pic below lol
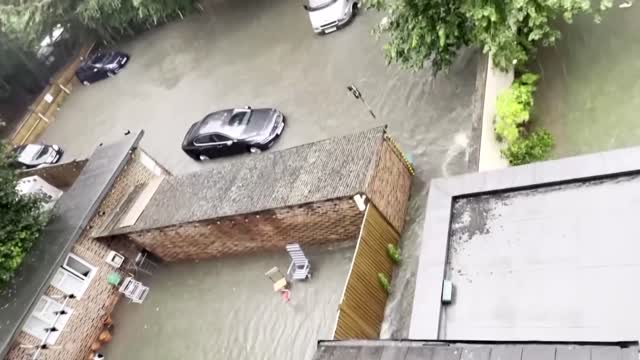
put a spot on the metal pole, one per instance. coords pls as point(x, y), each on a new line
point(358, 95)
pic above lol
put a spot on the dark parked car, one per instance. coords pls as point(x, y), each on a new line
point(101, 65)
point(233, 131)
point(35, 155)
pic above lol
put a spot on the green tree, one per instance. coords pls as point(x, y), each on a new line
point(21, 219)
point(422, 31)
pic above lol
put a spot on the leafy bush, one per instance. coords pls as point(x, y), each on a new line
point(535, 147)
point(21, 220)
point(514, 108)
point(394, 253)
point(384, 282)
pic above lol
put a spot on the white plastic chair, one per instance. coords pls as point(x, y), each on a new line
point(299, 269)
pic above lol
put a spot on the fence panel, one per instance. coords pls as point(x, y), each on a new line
point(363, 301)
point(43, 110)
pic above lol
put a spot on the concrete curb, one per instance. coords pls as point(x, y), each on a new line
point(496, 81)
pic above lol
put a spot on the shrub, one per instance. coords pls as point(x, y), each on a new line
point(384, 282)
point(21, 220)
point(535, 147)
point(394, 253)
point(513, 107)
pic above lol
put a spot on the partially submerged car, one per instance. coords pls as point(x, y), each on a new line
point(35, 155)
point(101, 66)
point(233, 131)
point(329, 15)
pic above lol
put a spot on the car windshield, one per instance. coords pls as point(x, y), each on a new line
point(240, 118)
point(31, 153)
point(313, 5)
point(98, 59)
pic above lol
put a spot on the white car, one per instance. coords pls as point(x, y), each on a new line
point(329, 15)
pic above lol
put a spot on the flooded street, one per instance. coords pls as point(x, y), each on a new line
point(587, 94)
point(264, 53)
point(226, 309)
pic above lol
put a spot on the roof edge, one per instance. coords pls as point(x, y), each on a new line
point(7, 343)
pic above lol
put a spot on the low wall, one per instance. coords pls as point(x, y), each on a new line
point(496, 82)
point(390, 186)
point(61, 176)
point(318, 223)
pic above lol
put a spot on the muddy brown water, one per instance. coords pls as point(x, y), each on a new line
point(263, 53)
point(226, 309)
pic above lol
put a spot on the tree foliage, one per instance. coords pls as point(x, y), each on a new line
point(29, 21)
point(513, 107)
point(422, 31)
point(21, 220)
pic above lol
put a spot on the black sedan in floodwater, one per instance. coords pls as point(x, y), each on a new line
point(35, 155)
point(233, 131)
point(101, 66)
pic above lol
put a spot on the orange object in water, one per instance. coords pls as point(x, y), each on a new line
point(286, 295)
point(105, 337)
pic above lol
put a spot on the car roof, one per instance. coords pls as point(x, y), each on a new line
point(214, 122)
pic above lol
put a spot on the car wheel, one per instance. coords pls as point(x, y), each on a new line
point(354, 8)
point(86, 83)
point(255, 150)
point(110, 74)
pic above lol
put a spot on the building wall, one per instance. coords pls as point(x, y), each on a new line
point(311, 224)
point(85, 323)
point(390, 186)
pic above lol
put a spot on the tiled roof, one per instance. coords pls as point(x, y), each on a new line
point(323, 170)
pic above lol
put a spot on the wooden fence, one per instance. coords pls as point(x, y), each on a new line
point(363, 301)
point(42, 112)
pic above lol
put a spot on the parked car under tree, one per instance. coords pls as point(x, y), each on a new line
point(101, 66)
point(233, 131)
point(34, 155)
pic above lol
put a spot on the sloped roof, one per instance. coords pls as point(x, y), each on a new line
point(460, 350)
point(322, 170)
point(73, 212)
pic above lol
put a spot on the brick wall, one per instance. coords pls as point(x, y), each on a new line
point(85, 323)
point(311, 224)
point(390, 186)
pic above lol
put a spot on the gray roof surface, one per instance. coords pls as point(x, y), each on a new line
point(432, 350)
point(323, 170)
point(73, 212)
point(590, 218)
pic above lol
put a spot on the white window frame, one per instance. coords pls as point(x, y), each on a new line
point(52, 305)
point(64, 271)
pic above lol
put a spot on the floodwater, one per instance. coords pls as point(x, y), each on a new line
point(264, 53)
point(226, 309)
point(589, 94)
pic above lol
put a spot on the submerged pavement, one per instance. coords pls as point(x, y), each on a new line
point(264, 53)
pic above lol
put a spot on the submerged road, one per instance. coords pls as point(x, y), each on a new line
point(264, 53)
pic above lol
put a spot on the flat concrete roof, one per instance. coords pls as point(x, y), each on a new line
point(465, 350)
point(547, 251)
point(72, 213)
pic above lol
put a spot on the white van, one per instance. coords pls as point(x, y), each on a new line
point(37, 186)
point(328, 15)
